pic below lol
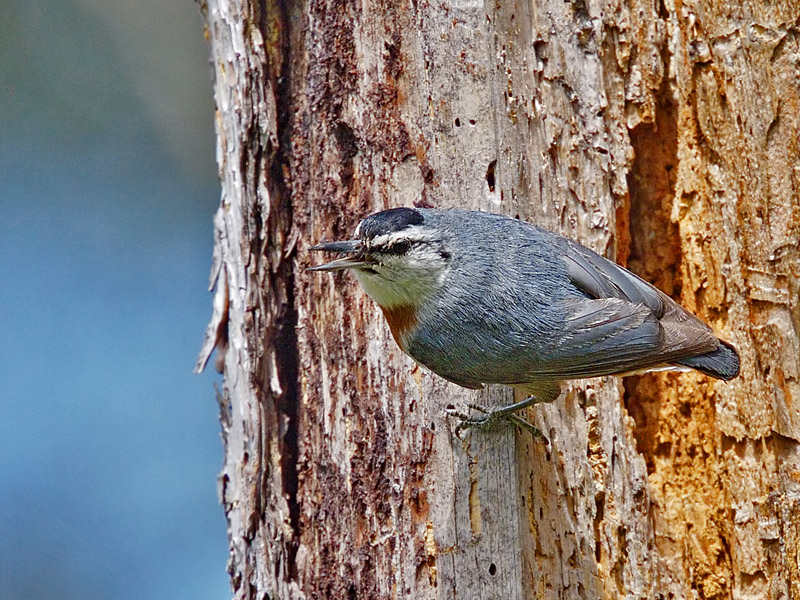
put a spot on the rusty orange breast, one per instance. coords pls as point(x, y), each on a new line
point(402, 320)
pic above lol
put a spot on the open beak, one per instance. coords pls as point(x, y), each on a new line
point(352, 247)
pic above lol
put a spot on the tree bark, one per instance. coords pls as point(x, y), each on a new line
point(661, 134)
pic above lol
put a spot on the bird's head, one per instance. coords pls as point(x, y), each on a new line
point(398, 257)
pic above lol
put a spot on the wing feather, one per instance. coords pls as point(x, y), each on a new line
point(624, 325)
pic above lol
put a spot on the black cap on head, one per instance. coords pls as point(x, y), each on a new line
point(388, 221)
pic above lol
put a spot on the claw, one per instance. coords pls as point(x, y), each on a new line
point(452, 411)
point(523, 424)
point(489, 417)
point(468, 422)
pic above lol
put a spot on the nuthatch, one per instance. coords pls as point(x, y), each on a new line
point(480, 298)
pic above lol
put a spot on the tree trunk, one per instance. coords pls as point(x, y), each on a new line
point(664, 135)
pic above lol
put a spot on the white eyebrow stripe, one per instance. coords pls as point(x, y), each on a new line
point(414, 233)
point(383, 240)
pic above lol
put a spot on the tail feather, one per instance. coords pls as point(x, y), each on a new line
point(722, 363)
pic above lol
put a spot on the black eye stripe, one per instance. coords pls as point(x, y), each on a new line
point(399, 247)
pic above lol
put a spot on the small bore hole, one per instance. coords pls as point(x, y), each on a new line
point(490, 175)
point(458, 122)
point(492, 569)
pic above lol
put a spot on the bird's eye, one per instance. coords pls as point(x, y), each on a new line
point(399, 247)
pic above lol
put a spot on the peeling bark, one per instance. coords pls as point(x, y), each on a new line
point(664, 135)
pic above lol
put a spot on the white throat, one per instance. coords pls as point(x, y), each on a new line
point(402, 291)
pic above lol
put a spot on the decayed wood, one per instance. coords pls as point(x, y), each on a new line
point(630, 126)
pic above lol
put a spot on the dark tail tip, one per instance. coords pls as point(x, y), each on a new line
point(722, 363)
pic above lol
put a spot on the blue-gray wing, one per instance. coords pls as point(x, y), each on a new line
point(625, 324)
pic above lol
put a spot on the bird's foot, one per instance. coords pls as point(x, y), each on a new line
point(488, 417)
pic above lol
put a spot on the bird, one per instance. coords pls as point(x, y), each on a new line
point(480, 298)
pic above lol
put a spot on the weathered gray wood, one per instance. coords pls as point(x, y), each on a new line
point(629, 126)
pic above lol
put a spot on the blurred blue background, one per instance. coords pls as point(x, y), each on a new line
point(109, 444)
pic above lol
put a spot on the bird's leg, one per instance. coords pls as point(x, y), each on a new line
point(494, 414)
point(470, 422)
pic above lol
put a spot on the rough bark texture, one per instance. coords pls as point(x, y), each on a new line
point(663, 134)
